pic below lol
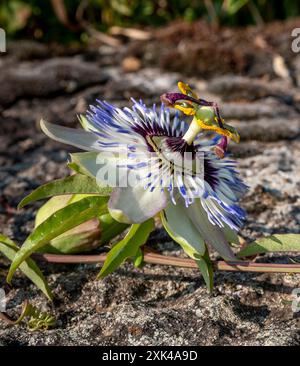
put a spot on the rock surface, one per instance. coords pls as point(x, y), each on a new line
point(156, 305)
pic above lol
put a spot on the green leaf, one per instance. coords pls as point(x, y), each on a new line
point(58, 223)
point(52, 205)
point(74, 184)
point(110, 228)
point(128, 247)
point(138, 259)
point(56, 203)
point(205, 265)
point(76, 168)
point(233, 6)
point(5, 240)
point(77, 197)
point(273, 243)
point(82, 238)
point(9, 249)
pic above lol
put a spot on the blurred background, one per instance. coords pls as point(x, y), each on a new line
point(62, 55)
point(67, 20)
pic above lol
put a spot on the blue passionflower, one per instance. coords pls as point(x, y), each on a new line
point(195, 207)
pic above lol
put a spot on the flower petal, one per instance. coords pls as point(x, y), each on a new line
point(182, 230)
point(79, 138)
point(212, 234)
point(135, 204)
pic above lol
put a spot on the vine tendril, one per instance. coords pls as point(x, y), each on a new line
point(37, 319)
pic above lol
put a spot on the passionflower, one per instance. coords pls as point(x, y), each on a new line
point(197, 200)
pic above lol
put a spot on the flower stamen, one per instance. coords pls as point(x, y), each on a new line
point(207, 113)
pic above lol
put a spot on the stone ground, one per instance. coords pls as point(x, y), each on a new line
point(158, 305)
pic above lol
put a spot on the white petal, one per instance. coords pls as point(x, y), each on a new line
point(79, 138)
point(212, 234)
point(135, 204)
point(182, 230)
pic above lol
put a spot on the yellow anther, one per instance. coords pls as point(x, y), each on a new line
point(189, 111)
point(227, 131)
point(185, 89)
